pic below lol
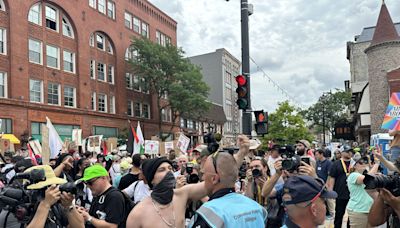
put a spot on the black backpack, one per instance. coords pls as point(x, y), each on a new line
point(129, 205)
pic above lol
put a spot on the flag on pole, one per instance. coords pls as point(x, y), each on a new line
point(105, 149)
point(55, 143)
point(138, 145)
point(32, 155)
point(131, 139)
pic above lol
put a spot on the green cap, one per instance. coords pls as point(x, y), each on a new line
point(93, 172)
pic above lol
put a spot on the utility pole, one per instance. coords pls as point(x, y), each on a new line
point(247, 115)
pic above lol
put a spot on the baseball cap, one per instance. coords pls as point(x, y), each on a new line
point(304, 142)
point(50, 177)
point(347, 149)
point(200, 148)
point(125, 165)
point(93, 172)
point(303, 188)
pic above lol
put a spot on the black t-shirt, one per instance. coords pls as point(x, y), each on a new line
point(127, 180)
point(109, 206)
point(337, 171)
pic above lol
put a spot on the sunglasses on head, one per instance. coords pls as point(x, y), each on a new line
point(214, 158)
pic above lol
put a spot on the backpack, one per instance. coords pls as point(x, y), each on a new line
point(129, 204)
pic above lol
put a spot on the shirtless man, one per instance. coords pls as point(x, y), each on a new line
point(166, 206)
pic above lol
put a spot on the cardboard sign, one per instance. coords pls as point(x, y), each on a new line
point(168, 146)
point(112, 144)
point(391, 119)
point(5, 145)
point(151, 147)
point(183, 143)
point(45, 145)
point(94, 143)
point(77, 136)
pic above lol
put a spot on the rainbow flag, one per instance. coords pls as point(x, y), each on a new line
point(391, 120)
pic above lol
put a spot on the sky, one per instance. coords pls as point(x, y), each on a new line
point(299, 44)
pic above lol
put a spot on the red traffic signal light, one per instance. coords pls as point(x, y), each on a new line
point(242, 92)
point(241, 80)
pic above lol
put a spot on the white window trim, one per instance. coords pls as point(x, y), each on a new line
point(94, 101)
point(69, 24)
point(92, 40)
point(104, 42)
point(57, 17)
point(104, 7)
point(41, 92)
point(74, 98)
point(148, 111)
point(105, 72)
point(113, 10)
point(105, 103)
point(112, 104)
point(58, 57)
point(132, 111)
point(4, 41)
point(59, 94)
point(73, 62)
point(112, 70)
point(130, 19)
point(41, 52)
point(5, 85)
point(40, 14)
point(3, 6)
point(93, 4)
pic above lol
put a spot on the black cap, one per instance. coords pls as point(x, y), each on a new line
point(150, 166)
point(347, 149)
point(305, 188)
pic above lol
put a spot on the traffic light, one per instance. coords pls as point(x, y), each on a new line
point(242, 92)
point(261, 125)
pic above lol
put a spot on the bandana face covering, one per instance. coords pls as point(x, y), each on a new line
point(164, 191)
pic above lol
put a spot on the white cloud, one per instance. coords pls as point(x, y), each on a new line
point(300, 44)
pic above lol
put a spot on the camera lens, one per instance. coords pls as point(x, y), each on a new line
point(256, 173)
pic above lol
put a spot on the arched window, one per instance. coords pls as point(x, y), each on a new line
point(67, 28)
point(34, 15)
point(101, 41)
point(2, 6)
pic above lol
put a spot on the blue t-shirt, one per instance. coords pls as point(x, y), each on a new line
point(323, 168)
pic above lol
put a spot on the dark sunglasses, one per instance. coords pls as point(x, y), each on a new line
point(215, 156)
point(91, 182)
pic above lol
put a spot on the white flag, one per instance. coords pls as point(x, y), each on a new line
point(55, 143)
point(138, 145)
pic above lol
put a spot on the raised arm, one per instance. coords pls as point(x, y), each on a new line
point(244, 145)
point(193, 192)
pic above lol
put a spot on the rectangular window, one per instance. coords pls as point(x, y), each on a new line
point(92, 3)
point(128, 79)
point(51, 18)
point(144, 87)
point(35, 90)
point(146, 111)
point(138, 110)
point(128, 20)
point(52, 54)
point(107, 132)
point(136, 83)
point(69, 96)
point(34, 14)
point(101, 6)
point(145, 30)
point(3, 84)
point(35, 51)
point(102, 103)
point(136, 25)
point(100, 41)
point(166, 115)
point(111, 9)
point(93, 103)
point(100, 71)
point(92, 69)
point(158, 37)
point(6, 126)
point(112, 105)
point(69, 61)
point(129, 111)
point(53, 95)
point(110, 75)
point(3, 43)
point(182, 123)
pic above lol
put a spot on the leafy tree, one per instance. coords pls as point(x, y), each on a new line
point(165, 72)
point(286, 125)
point(330, 108)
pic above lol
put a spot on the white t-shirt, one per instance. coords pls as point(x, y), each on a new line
point(138, 190)
point(11, 173)
point(114, 171)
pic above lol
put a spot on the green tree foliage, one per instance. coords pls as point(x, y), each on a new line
point(166, 71)
point(330, 106)
point(286, 125)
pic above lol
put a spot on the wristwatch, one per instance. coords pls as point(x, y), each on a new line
point(89, 220)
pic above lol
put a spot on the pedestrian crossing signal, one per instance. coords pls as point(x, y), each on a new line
point(261, 126)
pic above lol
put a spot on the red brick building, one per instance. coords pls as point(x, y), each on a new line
point(67, 60)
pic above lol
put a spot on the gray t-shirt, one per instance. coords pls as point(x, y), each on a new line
point(12, 221)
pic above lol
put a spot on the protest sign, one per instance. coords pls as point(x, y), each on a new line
point(151, 147)
point(168, 146)
point(5, 145)
point(45, 145)
point(94, 143)
point(183, 143)
point(112, 144)
point(77, 136)
point(391, 119)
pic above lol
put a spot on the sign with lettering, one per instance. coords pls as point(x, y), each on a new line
point(183, 143)
point(151, 147)
point(391, 119)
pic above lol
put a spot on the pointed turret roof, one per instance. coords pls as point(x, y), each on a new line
point(385, 30)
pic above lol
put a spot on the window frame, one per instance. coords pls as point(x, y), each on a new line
point(130, 84)
point(104, 6)
point(111, 70)
point(40, 53)
point(104, 100)
point(57, 19)
point(92, 69)
point(2, 6)
point(147, 30)
point(93, 4)
point(93, 102)
point(3, 39)
point(111, 105)
point(129, 110)
point(148, 110)
point(112, 16)
point(67, 23)
point(41, 96)
point(58, 86)
point(103, 42)
point(104, 72)
point(58, 56)
point(72, 61)
point(4, 83)
point(130, 20)
point(39, 5)
point(139, 30)
point(73, 97)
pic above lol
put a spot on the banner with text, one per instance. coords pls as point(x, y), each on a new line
point(391, 119)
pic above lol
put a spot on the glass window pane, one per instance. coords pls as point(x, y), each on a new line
point(34, 14)
point(68, 61)
point(52, 56)
point(35, 50)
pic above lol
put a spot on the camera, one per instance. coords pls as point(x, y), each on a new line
point(390, 182)
point(175, 165)
point(192, 178)
point(69, 187)
point(256, 173)
point(290, 161)
point(212, 140)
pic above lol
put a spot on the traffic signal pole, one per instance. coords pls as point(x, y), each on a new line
point(247, 115)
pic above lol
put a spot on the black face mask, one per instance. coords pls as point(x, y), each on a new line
point(163, 192)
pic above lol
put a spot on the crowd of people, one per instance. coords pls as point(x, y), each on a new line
point(283, 186)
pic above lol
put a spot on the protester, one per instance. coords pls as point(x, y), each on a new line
point(323, 164)
point(197, 152)
point(303, 149)
point(133, 176)
point(64, 166)
point(115, 169)
point(256, 176)
point(108, 206)
point(125, 167)
point(274, 156)
point(304, 201)
point(138, 190)
point(81, 165)
point(360, 201)
point(337, 155)
point(182, 160)
point(338, 174)
point(395, 145)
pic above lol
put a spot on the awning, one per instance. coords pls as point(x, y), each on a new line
point(11, 137)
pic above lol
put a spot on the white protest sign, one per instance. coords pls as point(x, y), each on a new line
point(151, 147)
point(94, 144)
point(77, 136)
point(168, 146)
point(183, 143)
